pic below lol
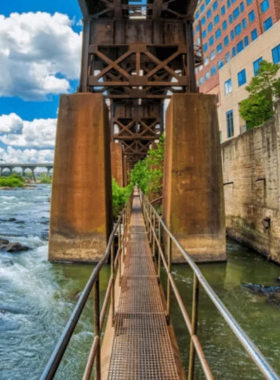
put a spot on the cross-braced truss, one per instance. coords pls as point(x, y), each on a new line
point(137, 54)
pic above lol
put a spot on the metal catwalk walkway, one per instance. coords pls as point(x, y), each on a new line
point(142, 347)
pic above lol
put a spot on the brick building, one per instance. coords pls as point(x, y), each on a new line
point(225, 28)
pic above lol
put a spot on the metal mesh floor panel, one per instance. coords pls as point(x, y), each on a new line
point(142, 348)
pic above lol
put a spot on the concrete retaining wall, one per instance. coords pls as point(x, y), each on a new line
point(251, 176)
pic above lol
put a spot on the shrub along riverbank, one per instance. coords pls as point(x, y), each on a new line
point(13, 180)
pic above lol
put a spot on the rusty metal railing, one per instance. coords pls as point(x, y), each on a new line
point(92, 285)
point(161, 238)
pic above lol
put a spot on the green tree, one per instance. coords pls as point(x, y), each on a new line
point(148, 173)
point(263, 89)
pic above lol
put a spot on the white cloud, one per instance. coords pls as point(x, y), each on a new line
point(39, 133)
point(12, 155)
point(39, 54)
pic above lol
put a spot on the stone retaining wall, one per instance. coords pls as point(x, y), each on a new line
point(251, 176)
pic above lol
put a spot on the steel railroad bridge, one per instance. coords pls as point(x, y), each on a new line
point(137, 54)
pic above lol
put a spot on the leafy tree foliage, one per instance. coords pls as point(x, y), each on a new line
point(120, 196)
point(263, 89)
point(148, 173)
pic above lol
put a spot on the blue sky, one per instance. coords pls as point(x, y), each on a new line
point(36, 71)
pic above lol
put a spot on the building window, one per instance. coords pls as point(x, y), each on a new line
point(203, 20)
point(202, 8)
point(201, 81)
point(197, 15)
point(211, 41)
point(204, 34)
point(238, 29)
point(230, 19)
point(210, 27)
point(213, 70)
point(242, 7)
point(197, 28)
point(228, 4)
point(256, 66)
point(209, 13)
point(207, 2)
point(218, 33)
point(212, 55)
point(241, 76)
point(227, 56)
point(249, 2)
point(236, 13)
point(207, 75)
point(233, 52)
point(230, 128)
point(220, 64)
point(223, 10)
point(219, 48)
point(205, 47)
point(215, 6)
point(254, 34)
point(251, 17)
point(228, 87)
point(264, 6)
point(239, 46)
point(216, 19)
point(206, 61)
point(246, 41)
point(232, 34)
point(276, 54)
point(225, 25)
point(244, 23)
point(267, 24)
point(226, 41)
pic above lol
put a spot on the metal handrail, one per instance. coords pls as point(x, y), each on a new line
point(99, 317)
point(155, 238)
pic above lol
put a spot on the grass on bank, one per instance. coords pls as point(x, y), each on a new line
point(13, 180)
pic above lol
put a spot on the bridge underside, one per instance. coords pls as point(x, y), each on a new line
point(137, 54)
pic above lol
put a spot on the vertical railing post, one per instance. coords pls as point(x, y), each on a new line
point(154, 234)
point(194, 326)
point(150, 223)
point(120, 251)
point(113, 283)
point(97, 328)
point(159, 248)
point(169, 261)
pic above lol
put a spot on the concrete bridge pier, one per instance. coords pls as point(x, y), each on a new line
point(117, 164)
point(81, 205)
point(193, 200)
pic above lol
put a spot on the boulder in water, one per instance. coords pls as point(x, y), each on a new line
point(15, 247)
point(261, 289)
point(4, 242)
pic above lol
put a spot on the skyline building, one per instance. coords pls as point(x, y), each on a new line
point(235, 36)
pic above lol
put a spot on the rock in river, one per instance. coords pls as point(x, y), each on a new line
point(4, 242)
point(15, 247)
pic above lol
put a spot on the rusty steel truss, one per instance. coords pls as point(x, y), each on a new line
point(137, 54)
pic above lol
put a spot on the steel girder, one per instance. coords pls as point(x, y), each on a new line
point(137, 54)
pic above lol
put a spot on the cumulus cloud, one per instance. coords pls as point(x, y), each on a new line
point(39, 54)
point(38, 133)
point(12, 155)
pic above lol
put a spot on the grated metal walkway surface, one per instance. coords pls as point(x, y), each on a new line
point(142, 348)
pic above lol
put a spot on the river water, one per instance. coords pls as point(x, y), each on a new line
point(36, 299)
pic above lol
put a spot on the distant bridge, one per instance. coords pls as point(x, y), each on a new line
point(24, 166)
